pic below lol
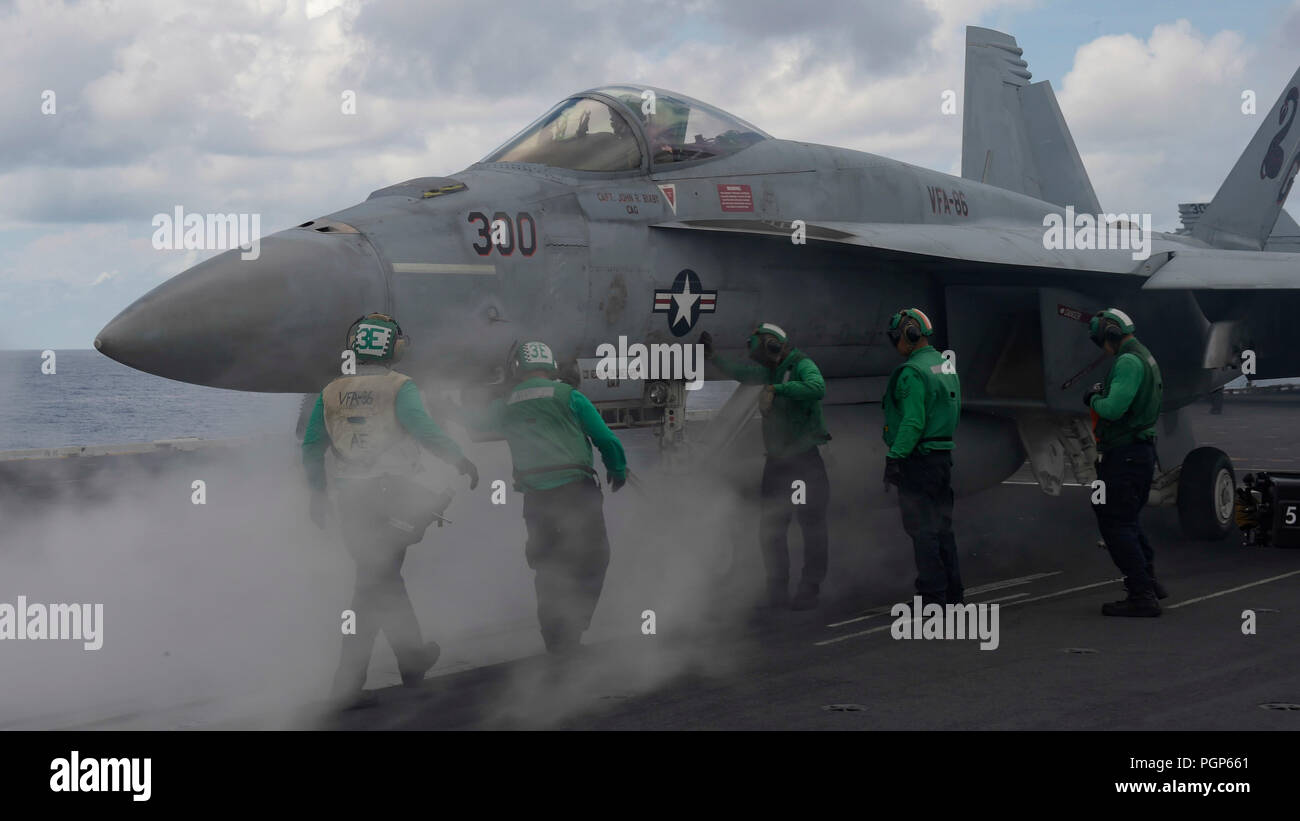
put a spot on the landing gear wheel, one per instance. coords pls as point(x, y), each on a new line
point(1206, 495)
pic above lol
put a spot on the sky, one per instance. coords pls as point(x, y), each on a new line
point(236, 105)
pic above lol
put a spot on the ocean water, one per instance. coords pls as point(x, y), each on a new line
point(93, 400)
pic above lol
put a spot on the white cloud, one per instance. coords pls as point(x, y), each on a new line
point(1158, 120)
point(1134, 88)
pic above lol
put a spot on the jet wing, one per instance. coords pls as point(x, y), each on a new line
point(1214, 269)
point(1171, 265)
point(991, 243)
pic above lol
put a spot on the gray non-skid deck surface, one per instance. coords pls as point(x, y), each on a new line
point(1192, 668)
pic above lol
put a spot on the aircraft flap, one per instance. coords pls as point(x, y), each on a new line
point(1215, 269)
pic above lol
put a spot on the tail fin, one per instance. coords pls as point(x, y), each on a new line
point(1284, 238)
point(1013, 134)
point(1243, 213)
point(1188, 214)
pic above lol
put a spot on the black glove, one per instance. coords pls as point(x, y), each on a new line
point(706, 339)
point(319, 508)
point(1093, 391)
point(893, 471)
point(615, 482)
point(465, 466)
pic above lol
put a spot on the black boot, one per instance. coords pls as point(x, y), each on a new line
point(1137, 604)
point(356, 700)
point(806, 597)
point(1160, 591)
point(778, 595)
point(428, 657)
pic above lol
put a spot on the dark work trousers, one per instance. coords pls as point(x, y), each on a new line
point(379, 599)
point(777, 509)
point(925, 500)
point(569, 550)
point(1127, 472)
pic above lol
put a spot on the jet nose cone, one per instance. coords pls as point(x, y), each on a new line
point(274, 323)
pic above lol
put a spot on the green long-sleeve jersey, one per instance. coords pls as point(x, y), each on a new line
point(1129, 403)
point(922, 405)
point(795, 423)
point(550, 428)
point(1126, 378)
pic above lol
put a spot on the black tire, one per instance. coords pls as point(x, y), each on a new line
point(1206, 495)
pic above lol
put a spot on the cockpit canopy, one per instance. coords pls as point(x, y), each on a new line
point(588, 133)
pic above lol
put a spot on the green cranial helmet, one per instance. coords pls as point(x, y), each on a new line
point(376, 338)
point(909, 322)
point(769, 330)
point(531, 356)
point(1110, 325)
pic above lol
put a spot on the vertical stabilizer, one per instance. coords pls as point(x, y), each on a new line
point(994, 147)
point(1061, 174)
point(1285, 236)
point(1244, 211)
point(1013, 133)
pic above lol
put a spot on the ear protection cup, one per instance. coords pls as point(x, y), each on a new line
point(910, 323)
point(1107, 326)
point(765, 342)
point(512, 361)
point(1094, 330)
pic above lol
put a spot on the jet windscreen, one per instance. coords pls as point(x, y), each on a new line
point(679, 129)
point(579, 134)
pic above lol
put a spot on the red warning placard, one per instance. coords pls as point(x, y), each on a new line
point(735, 197)
point(1072, 313)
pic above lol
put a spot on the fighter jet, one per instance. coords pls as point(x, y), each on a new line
point(634, 211)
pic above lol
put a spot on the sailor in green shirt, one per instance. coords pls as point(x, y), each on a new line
point(793, 429)
point(922, 404)
point(550, 428)
point(1127, 405)
point(372, 421)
